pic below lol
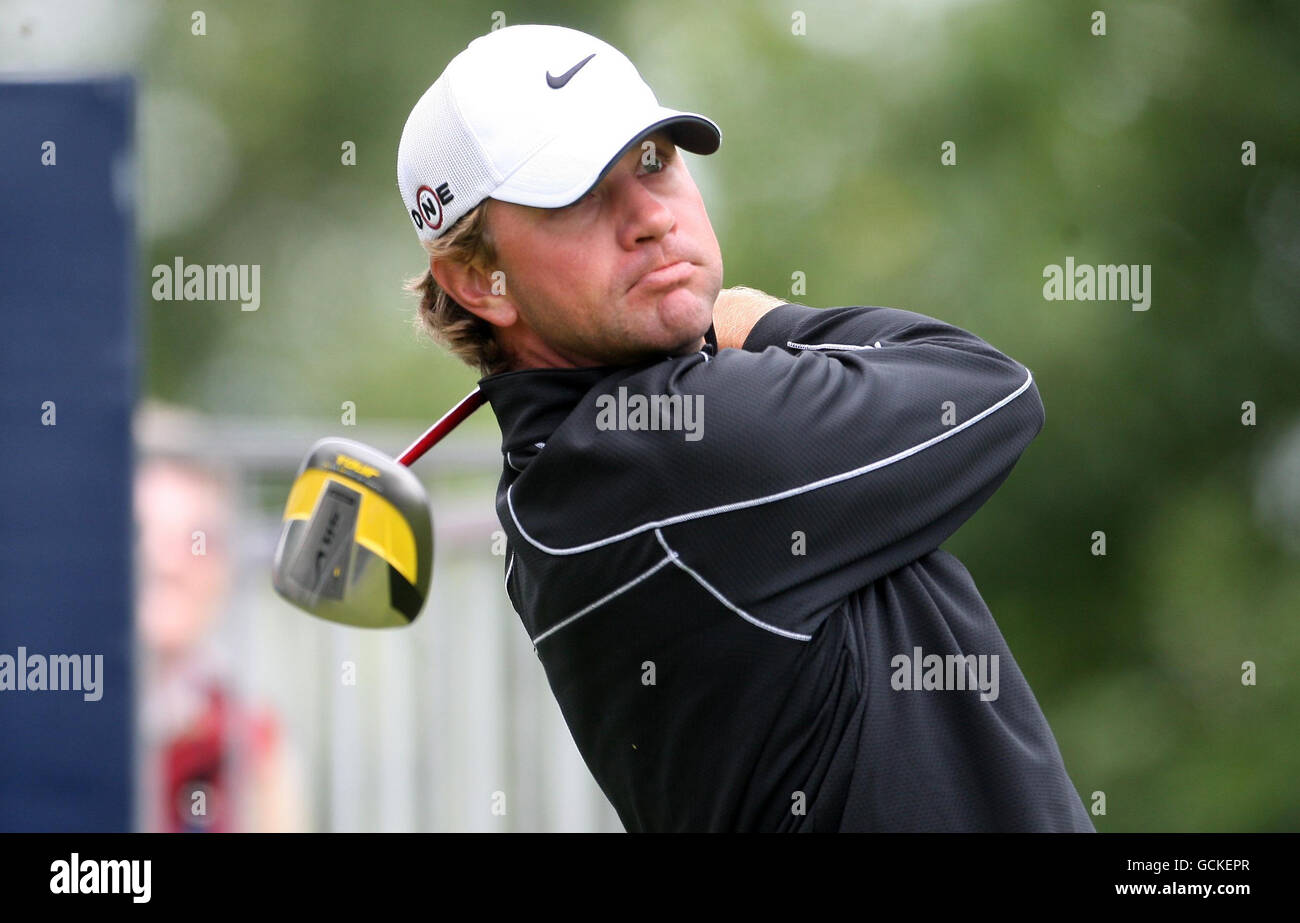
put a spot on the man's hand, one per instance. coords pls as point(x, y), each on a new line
point(735, 312)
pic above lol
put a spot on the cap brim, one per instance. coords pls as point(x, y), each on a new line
point(570, 164)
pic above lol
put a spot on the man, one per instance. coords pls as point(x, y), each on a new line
point(723, 513)
point(196, 732)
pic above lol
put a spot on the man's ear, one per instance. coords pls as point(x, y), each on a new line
point(471, 287)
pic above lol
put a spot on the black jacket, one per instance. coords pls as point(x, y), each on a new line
point(721, 610)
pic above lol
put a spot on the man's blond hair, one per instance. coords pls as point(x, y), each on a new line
point(467, 336)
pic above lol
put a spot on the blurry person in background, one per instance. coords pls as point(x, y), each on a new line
point(210, 761)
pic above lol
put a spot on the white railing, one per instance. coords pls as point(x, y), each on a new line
point(449, 721)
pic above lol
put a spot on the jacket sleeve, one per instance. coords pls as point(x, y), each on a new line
point(838, 445)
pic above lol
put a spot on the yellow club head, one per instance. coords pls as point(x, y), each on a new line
point(356, 546)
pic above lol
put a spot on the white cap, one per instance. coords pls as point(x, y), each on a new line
point(529, 114)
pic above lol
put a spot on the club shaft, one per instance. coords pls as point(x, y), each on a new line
point(450, 420)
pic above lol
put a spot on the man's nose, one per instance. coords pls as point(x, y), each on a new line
point(643, 214)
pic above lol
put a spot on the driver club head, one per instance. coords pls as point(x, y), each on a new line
point(356, 546)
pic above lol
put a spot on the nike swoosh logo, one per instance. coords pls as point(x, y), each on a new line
point(556, 82)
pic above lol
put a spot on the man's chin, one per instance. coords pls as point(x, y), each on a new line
point(691, 342)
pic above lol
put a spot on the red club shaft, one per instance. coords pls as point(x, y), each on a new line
point(450, 420)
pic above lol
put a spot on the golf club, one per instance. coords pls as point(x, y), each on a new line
point(349, 505)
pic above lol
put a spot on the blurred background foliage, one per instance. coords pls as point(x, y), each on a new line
point(1122, 148)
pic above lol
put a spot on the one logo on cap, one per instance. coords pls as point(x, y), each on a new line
point(428, 206)
point(556, 82)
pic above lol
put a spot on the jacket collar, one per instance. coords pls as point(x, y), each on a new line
point(530, 404)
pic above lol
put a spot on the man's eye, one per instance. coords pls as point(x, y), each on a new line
point(658, 162)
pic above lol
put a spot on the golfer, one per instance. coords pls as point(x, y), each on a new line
point(723, 510)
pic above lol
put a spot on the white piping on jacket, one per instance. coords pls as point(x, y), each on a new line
point(770, 498)
point(676, 559)
point(793, 345)
point(600, 602)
